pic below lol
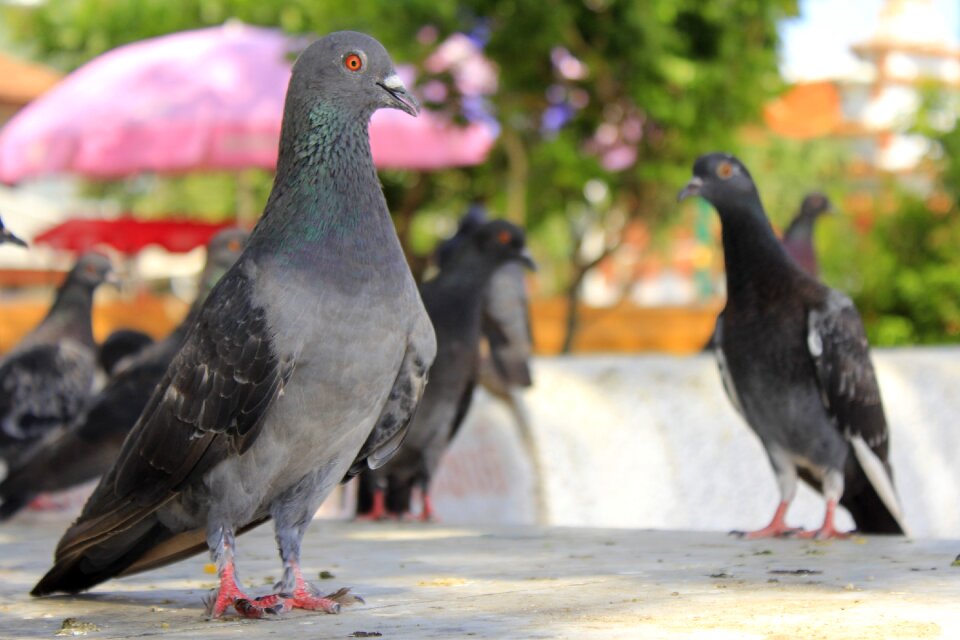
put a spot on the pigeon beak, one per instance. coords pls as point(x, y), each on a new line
point(692, 189)
point(527, 260)
point(111, 277)
point(12, 239)
point(400, 97)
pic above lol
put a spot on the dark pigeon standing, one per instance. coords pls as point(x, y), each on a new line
point(505, 363)
point(90, 446)
point(7, 237)
point(303, 366)
point(798, 238)
point(47, 377)
point(454, 300)
point(795, 362)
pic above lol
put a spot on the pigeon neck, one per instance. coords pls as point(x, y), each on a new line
point(756, 263)
point(800, 228)
point(69, 317)
point(326, 186)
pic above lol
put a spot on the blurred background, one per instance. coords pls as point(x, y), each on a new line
point(578, 120)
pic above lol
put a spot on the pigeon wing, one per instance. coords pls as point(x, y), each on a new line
point(848, 386)
point(209, 405)
point(506, 325)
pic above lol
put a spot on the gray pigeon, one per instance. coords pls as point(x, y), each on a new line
point(303, 366)
point(47, 377)
point(505, 358)
point(795, 363)
point(88, 447)
point(798, 238)
point(454, 299)
point(7, 237)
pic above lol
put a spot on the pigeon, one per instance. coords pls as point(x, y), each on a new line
point(505, 362)
point(7, 237)
point(795, 363)
point(454, 300)
point(119, 348)
point(303, 366)
point(798, 238)
point(47, 377)
point(88, 447)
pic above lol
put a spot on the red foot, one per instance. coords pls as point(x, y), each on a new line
point(827, 531)
point(776, 529)
point(306, 597)
point(426, 514)
point(229, 594)
point(46, 502)
point(378, 511)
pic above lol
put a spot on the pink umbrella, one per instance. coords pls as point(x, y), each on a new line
point(205, 99)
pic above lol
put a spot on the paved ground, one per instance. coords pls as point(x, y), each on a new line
point(435, 581)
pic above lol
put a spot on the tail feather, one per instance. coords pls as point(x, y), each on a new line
point(881, 483)
point(87, 567)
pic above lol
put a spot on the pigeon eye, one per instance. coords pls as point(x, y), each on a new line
point(353, 62)
point(233, 245)
point(91, 270)
point(725, 170)
point(504, 237)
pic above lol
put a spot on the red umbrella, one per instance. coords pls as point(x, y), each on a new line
point(205, 99)
point(129, 235)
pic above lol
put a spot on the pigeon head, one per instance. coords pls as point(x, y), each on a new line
point(224, 248)
point(93, 269)
point(721, 180)
point(815, 205)
point(353, 71)
point(7, 237)
point(501, 242)
point(473, 219)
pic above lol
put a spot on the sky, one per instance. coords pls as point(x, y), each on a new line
point(817, 44)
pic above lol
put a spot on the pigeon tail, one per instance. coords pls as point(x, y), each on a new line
point(877, 509)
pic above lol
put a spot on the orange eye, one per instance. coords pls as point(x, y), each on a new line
point(90, 269)
point(233, 245)
point(353, 62)
point(725, 170)
point(504, 237)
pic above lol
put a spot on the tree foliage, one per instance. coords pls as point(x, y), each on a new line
point(661, 80)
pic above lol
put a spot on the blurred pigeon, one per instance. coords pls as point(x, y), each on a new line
point(798, 238)
point(795, 362)
point(47, 377)
point(89, 447)
point(121, 346)
point(505, 362)
point(303, 366)
point(7, 237)
point(454, 300)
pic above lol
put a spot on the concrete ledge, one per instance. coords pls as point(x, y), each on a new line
point(427, 581)
point(652, 441)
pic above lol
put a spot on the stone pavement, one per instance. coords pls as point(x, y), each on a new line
point(437, 581)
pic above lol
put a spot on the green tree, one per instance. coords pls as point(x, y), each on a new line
point(662, 79)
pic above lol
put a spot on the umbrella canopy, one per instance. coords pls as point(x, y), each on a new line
point(129, 235)
point(204, 99)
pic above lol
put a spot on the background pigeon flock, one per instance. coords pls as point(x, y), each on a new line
point(311, 356)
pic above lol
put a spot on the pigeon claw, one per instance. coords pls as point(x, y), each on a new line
point(769, 532)
point(304, 597)
point(254, 609)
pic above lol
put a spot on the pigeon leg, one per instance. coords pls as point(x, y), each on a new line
point(776, 529)
point(832, 490)
point(379, 509)
point(786, 474)
point(426, 513)
point(292, 515)
point(229, 593)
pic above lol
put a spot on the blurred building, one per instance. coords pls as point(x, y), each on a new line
point(912, 51)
